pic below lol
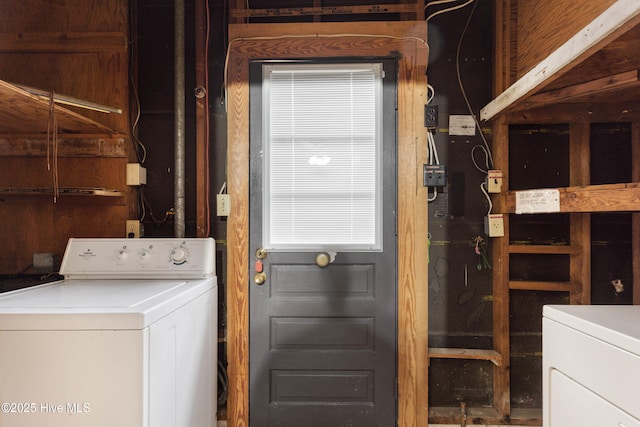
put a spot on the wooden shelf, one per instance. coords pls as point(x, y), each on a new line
point(544, 249)
point(76, 191)
point(485, 416)
point(526, 285)
point(465, 353)
point(24, 113)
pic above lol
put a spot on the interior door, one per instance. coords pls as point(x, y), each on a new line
point(322, 303)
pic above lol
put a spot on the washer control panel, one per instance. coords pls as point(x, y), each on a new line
point(139, 258)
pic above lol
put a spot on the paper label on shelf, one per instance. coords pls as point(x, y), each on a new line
point(537, 201)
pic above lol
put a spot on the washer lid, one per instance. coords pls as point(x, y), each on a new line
point(96, 304)
point(618, 325)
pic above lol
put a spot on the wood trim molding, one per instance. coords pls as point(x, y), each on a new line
point(203, 203)
point(322, 40)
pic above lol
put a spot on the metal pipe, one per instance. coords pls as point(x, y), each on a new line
point(179, 119)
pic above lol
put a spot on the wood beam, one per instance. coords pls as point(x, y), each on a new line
point(325, 10)
point(485, 416)
point(616, 82)
point(544, 249)
point(635, 217)
point(525, 285)
point(580, 223)
point(500, 252)
point(577, 113)
point(593, 198)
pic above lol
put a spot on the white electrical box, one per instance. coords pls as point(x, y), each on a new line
point(135, 229)
point(136, 174)
point(494, 224)
point(494, 181)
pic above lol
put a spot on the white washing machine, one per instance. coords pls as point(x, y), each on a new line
point(591, 366)
point(127, 339)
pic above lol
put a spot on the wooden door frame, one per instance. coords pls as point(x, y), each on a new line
point(406, 41)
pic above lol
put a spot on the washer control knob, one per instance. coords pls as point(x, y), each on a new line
point(179, 255)
point(122, 254)
point(144, 255)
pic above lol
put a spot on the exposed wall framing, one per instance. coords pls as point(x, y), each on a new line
point(315, 40)
point(407, 10)
point(564, 75)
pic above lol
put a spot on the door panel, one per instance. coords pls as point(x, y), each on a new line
point(323, 340)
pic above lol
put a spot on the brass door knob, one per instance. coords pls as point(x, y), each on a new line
point(260, 278)
point(323, 259)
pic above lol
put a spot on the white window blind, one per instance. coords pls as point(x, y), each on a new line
point(322, 130)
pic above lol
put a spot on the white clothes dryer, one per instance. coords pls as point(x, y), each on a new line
point(591, 366)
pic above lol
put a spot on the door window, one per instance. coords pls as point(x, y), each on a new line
point(322, 127)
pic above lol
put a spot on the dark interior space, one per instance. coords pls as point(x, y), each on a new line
point(460, 309)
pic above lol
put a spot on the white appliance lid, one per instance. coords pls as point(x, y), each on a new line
point(618, 325)
point(97, 304)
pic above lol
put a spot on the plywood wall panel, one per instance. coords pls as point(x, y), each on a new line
point(41, 226)
point(72, 172)
point(544, 25)
point(54, 15)
point(76, 48)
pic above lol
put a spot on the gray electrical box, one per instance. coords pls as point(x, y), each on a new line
point(435, 175)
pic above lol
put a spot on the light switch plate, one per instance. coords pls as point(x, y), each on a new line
point(223, 204)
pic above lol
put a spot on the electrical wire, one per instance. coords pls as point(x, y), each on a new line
point(486, 194)
point(168, 214)
point(433, 93)
point(225, 47)
point(450, 9)
point(431, 142)
point(435, 195)
point(437, 2)
point(139, 148)
point(433, 159)
point(486, 158)
point(466, 98)
point(433, 151)
point(52, 139)
point(207, 127)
